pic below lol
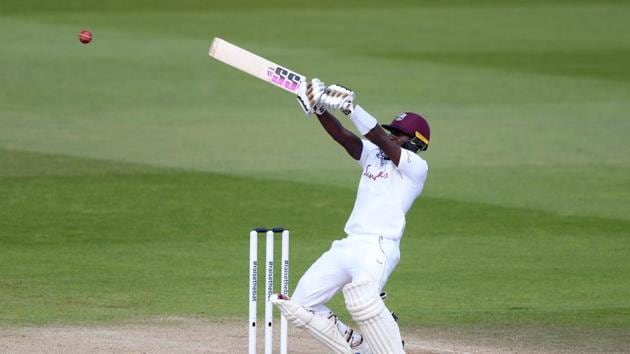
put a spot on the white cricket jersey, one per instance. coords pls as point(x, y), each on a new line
point(386, 192)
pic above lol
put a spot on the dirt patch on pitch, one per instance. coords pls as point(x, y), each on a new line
point(193, 335)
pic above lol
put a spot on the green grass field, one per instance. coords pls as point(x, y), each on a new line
point(132, 168)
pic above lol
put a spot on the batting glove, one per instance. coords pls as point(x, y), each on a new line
point(337, 97)
point(309, 94)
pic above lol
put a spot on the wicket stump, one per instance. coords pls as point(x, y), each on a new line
point(253, 286)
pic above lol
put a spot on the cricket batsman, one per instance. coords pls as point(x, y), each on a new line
point(392, 177)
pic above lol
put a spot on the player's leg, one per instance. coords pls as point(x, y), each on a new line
point(321, 327)
point(378, 326)
point(306, 309)
point(323, 279)
point(354, 338)
point(361, 264)
point(379, 258)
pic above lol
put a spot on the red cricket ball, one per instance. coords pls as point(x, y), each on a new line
point(85, 36)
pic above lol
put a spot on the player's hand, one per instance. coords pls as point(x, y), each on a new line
point(309, 94)
point(338, 97)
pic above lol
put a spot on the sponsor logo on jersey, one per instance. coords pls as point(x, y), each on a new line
point(374, 175)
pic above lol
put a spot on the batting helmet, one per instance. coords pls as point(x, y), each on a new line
point(413, 125)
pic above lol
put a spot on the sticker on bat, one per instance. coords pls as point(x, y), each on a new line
point(283, 77)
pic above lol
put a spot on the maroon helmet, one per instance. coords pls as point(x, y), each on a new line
point(413, 125)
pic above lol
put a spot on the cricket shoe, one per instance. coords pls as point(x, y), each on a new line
point(361, 347)
point(354, 338)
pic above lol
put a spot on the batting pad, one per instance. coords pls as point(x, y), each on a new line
point(321, 327)
point(377, 325)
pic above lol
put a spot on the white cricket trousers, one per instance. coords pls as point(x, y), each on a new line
point(354, 258)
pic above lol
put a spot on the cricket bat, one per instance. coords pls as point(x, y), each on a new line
point(255, 65)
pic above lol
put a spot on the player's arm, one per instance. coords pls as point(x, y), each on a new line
point(340, 134)
point(379, 137)
point(342, 98)
point(308, 96)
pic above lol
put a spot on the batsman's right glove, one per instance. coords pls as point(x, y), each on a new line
point(309, 94)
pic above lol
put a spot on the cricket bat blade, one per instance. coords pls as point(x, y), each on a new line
point(255, 65)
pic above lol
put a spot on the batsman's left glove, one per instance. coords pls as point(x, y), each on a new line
point(337, 97)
